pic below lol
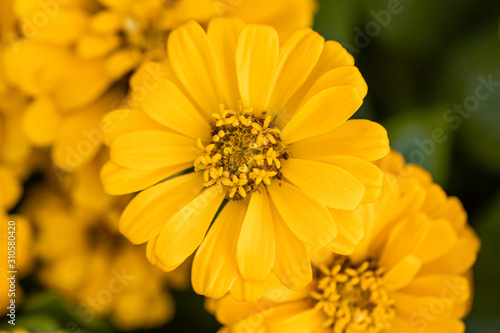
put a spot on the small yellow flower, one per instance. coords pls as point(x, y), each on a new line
point(70, 54)
point(267, 131)
point(88, 262)
point(411, 272)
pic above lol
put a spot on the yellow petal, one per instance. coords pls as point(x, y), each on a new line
point(148, 150)
point(322, 113)
point(229, 311)
point(215, 266)
point(404, 239)
point(223, 35)
point(298, 210)
point(117, 180)
point(436, 198)
point(411, 196)
point(145, 215)
point(121, 62)
point(292, 265)
point(400, 199)
point(152, 258)
point(105, 22)
point(332, 186)
point(360, 138)
point(454, 212)
point(271, 313)
point(340, 76)
point(192, 61)
point(11, 189)
point(41, 122)
point(333, 56)
point(184, 232)
point(37, 68)
point(298, 323)
point(349, 232)
point(452, 326)
point(247, 290)
point(401, 274)
point(408, 304)
point(256, 242)
point(149, 74)
point(416, 324)
point(93, 46)
point(80, 135)
point(87, 191)
point(365, 172)
point(16, 148)
point(297, 58)
point(276, 292)
point(457, 260)
point(166, 104)
point(256, 62)
point(440, 238)
point(62, 28)
point(451, 288)
point(125, 121)
point(87, 82)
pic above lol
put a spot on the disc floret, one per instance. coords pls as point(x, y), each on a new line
point(243, 153)
point(353, 297)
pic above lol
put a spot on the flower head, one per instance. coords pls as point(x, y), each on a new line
point(411, 272)
point(266, 129)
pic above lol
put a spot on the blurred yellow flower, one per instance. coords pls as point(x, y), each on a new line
point(14, 145)
point(411, 272)
point(267, 131)
point(70, 53)
point(86, 261)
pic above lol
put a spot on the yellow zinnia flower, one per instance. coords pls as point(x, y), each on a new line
point(411, 272)
point(90, 264)
point(71, 53)
point(267, 131)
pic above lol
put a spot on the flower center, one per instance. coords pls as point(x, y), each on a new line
point(146, 28)
point(244, 152)
point(353, 297)
point(148, 37)
point(99, 235)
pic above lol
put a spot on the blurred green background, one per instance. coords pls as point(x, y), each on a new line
point(427, 64)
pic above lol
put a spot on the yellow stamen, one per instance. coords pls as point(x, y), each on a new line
point(353, 298)
point(244, 152)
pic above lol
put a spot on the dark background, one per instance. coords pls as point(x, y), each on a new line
point(421, 61)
